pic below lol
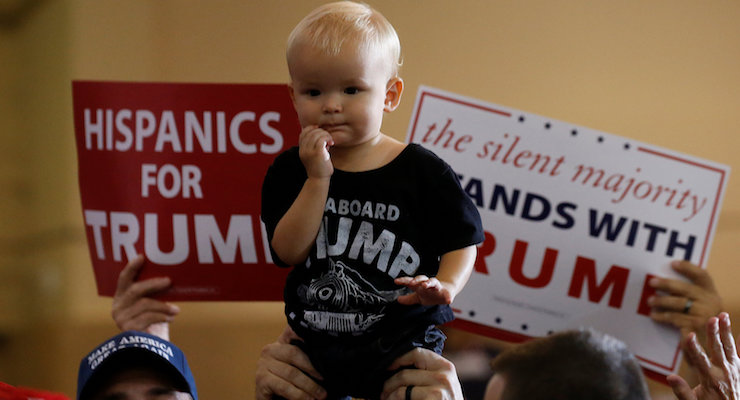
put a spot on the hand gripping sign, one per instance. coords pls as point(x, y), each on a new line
point(576, 221)
point(174, 171)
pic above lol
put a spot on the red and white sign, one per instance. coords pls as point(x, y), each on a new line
point(174, 171)
point(576, 222)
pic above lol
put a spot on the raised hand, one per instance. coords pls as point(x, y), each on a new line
point(718, 372)
point(133, 309)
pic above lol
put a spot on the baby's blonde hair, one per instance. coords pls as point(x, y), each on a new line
point(329, 26)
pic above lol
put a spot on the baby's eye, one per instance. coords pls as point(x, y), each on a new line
point(351, 90)
point(313, 92)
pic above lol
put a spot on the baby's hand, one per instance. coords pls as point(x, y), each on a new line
point(427, 291)
point(314, 144)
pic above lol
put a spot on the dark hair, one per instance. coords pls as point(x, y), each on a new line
point(572, 365)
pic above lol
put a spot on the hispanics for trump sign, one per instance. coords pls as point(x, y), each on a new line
point(174, 171)
point(577, 221)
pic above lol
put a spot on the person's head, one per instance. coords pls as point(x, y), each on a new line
point(135, 366)
point(572, 365)
point(343, 60)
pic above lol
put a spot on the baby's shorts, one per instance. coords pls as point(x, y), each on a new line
point(360, 371)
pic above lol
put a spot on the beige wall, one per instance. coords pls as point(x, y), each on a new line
point(663, 72)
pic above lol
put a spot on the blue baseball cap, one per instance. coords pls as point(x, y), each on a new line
point(132, 348)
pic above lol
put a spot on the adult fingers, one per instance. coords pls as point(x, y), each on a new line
point(728, 342)
point(283, 369)
point(433, 378)
point(670, 303)
point(677, 319)
point(269, 384)
point(672, 309)
point(423, 359)
point(293, 384)
point(714, 342)
point(424, 382)
point(408, 359)
point(697, 357)
point(697, 308)
point(138, 294)
point(128, 274)
point(680, 388)
point(290, 355)
point(694, 273)
point(701, 288)
point(395, 393)
point(418, 393)
point(287, 335)
point(145, 311)
point(146, 287)
point(675, 287)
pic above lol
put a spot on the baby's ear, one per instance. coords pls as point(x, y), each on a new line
point(393, 94)
point(291, 92)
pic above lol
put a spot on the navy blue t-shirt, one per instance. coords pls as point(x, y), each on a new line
point(393, 221)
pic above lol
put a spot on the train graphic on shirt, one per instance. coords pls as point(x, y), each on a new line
point(342, 301)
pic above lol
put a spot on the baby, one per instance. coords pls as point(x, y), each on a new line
point(380, 234)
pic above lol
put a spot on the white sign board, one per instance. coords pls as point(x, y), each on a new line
point(576, 222)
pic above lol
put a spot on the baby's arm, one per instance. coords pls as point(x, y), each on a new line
point(455, 268)
point(296, 231)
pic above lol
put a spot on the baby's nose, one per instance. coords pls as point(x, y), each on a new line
point(332, 104)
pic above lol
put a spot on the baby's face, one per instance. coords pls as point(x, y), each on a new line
point(343, 94)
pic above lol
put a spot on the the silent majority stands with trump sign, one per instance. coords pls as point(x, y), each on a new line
point(576, 221)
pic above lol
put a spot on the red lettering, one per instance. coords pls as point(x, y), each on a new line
point(585, 272)
point(441, 134)
point(584, 275)
point(462, 140)
point(647, 292)
point(485, 249)
point(516, 270)
point(511, 149)
point(447, 137)
point(524, 155)
point(432, 127)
